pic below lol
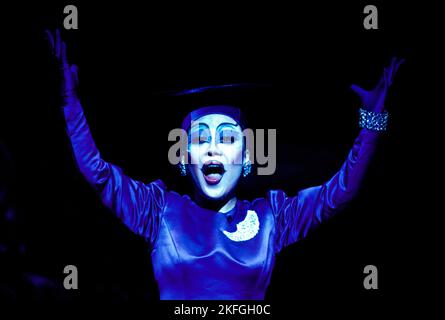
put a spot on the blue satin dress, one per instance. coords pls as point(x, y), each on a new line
point(203, 254)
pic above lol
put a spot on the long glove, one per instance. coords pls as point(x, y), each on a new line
point(68, 72)
point(374, 100)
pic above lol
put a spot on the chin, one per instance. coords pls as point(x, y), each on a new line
point(214, 195)
point(217, 189)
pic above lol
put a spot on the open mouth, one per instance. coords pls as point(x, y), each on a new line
point(213, 171)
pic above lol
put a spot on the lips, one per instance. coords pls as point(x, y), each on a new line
point(213, 171)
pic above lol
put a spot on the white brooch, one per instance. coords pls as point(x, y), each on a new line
point(246, 229)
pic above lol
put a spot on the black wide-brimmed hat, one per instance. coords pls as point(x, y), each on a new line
point(240, 101)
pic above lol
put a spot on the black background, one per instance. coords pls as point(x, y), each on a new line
point(126, 53)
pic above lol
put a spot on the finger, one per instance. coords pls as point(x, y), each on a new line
point(58, 42)
point(63, 57)
point(358, 90)
point(381, 80)
point(389, 67)
point(395, 64)
point(393, 61)
point(50, 39)
point(389, 74)
point(399, 63)
point(386, 76)
point(74, 70)
point(393, 67)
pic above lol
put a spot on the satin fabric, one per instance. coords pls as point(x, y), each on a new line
point(192, 257)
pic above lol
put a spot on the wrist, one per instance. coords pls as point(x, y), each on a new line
point(374, 121)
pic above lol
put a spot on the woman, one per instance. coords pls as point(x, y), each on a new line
point(212, 245)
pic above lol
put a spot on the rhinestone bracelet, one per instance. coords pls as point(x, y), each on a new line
point(372, 120)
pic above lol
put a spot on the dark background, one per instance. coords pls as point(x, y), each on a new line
point(127, 53)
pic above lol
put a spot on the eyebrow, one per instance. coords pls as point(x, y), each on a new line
point(199, 126)
point(226, 124)
point(221, 125)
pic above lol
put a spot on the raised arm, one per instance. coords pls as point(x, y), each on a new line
point(137, 204)
point(345, 184)
point(296, 216)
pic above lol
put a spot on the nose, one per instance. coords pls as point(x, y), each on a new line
point(213, 149)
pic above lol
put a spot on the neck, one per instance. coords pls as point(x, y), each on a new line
point(228, 206)
point(223, 205)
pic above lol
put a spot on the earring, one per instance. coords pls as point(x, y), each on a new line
point(182, 169)
point(247, 167)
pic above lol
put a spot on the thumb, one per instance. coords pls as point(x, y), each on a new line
point(74, 70)
point(49, 37)
point(358, 90)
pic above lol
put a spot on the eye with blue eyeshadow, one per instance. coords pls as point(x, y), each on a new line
point(204, 137)
point(228, 136)
point(200, 136)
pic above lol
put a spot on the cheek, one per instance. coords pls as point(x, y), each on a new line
point(194, 154)
point(238, 158)
point(234, 154)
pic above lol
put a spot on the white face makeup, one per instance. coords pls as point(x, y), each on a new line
point(216, 154)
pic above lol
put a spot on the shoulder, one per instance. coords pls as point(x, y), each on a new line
point(275, 200)
point(158, 184)
point(168, 195)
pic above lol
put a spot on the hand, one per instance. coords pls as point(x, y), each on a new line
point(68, 72)
point(374, 99)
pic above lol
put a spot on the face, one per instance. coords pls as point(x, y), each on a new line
point(215, 154)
